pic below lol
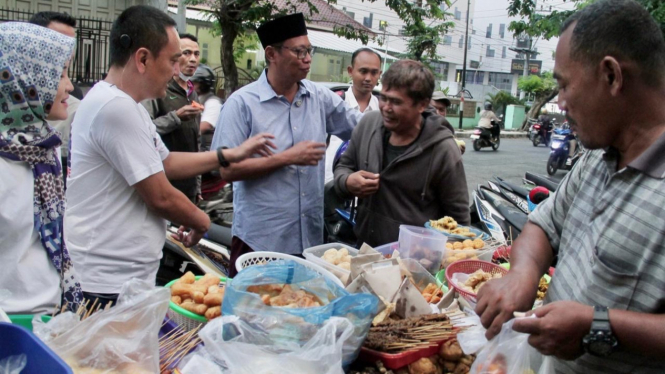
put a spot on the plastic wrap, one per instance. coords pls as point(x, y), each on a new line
point(242, 348)
point(510, 352)
point(13, 364)
point(284, 326)
point(123, 339)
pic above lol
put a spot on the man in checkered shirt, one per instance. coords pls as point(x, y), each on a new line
point(604, 311)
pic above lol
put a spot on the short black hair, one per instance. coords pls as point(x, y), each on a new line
point(145, 27)
point(623, 29)
point(43, 19)
point(413, 76)
point(189, 36)
point(358, 51)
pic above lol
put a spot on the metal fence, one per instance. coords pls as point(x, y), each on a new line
point(91, 61)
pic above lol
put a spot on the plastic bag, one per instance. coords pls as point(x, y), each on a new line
point(510, 353)
point(298, 325)
point(247, 349)
point(13, 364)
point(123, 339)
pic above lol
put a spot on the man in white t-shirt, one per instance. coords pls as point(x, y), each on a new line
point(365, 71)
point(119, 197)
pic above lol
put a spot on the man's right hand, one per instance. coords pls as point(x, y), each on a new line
point(187, 112)
point(306, 153)
point(499, 298)
point(362, 183)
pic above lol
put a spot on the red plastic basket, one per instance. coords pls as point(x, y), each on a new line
point(468, 267)
point(399, 360)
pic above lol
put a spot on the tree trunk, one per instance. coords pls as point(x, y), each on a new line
point(229, 35)
point(540, 101)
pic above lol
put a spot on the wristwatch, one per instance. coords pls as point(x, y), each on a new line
point(600, 341)
point(220, 156)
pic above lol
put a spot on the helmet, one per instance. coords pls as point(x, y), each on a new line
point(488, 106)
point(205, 75)
point(543, 111)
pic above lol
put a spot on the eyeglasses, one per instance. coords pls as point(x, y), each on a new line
point(300, 52)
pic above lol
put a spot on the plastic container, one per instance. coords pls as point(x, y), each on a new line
point(315, 254)
point(17, 340)
point(468, 267)
point(421, 277)
point(395, 361)
point(423, 245)
point(25, 320)
point(387, 250)
point(182, 317)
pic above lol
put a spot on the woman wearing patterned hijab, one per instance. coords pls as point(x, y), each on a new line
point(34, 263)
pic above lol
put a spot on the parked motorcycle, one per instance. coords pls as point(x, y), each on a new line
point(560, 146)
point(483, 137)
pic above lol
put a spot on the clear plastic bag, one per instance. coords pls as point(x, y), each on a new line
point(13, 364)
point(510, 353)
point(285, 326)
point(123, 339)
point(248, 349)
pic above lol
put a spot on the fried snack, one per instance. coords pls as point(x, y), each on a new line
point(180, 289)
point(338, 257)
point(207, 281)
point(432, 293)
point(478, 279)
point(467, 243)
point(188, 278)
point(542, 288)
point(198, 297)
point(213, 312)
point(270, 289)
point(193, 307)
point(478, 244)
point(176, 299)
point(449, 245)
point(451, 350)
point(287, 298)
point(458, 245)
point(214, 299)
point(424, 366)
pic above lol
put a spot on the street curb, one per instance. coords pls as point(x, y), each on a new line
point(504, 134)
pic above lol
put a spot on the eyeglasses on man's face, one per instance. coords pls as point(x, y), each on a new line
point(301, 53)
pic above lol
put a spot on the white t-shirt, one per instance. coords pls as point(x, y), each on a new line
point(212, 108)
point(111, 234)
point(27, 272)
point(335, 142)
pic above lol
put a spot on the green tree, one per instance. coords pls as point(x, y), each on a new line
point(501, 100)
point(544, 88)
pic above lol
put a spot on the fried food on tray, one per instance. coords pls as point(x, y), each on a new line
point(198, 296)
point(478, 279)
point(432, 293)
point(449, 225)
point(338, 257)
point(287, 297)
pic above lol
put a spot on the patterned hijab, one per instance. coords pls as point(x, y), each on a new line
point(32, 59)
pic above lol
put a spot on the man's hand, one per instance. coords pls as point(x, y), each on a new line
point(499, 298)
point(258, 144)
point(362, 183)
point(559, 328)
point(188, 239)
point(306, 153)
point(187, 112)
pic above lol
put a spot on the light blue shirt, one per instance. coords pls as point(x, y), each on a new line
point(282, 211)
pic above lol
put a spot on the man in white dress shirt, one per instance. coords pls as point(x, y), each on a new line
point(365, 71)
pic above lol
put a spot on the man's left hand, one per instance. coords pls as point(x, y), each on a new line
point(559, 328)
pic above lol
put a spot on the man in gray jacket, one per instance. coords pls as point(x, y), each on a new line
point(402, 162)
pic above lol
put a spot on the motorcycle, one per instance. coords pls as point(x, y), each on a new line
point(532, 122)
point(483, 137)
point(560, 146)
point(541, 133)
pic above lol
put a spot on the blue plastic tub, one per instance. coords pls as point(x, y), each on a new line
point(17, 340)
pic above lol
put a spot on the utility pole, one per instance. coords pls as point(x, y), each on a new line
point(384, 25)
point(466, 49)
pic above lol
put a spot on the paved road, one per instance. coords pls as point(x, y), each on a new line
point(513, 158)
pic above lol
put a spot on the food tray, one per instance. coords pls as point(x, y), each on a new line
point(395, 361)
point(468, 267)
point(18, 340)
point(259, 258)
point(314, 255)
point(479, 234)
point(182, 317)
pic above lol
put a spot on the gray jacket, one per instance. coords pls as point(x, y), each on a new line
point(426, 182)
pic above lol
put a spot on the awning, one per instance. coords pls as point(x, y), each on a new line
point(332, 42)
